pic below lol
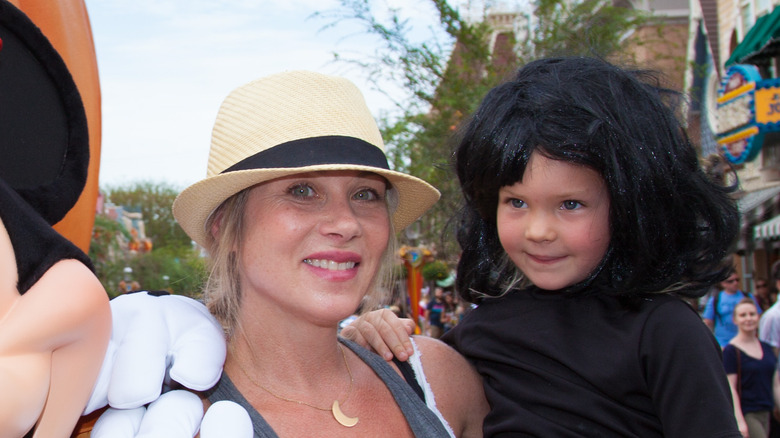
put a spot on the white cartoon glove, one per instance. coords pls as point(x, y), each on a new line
point(157, 339)
point(226, 419)
point(176, 414)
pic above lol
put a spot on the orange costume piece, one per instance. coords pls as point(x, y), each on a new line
point(55, 321)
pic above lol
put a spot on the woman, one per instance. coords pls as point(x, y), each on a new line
point(750, 365)
point(298, 214)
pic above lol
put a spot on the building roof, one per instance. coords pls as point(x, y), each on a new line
point(761, 41)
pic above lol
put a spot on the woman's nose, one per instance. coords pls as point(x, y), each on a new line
point(338, 218)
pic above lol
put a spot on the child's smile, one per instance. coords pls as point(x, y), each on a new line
point(554, 223)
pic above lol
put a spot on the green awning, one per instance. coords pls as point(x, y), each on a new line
point(762, 35)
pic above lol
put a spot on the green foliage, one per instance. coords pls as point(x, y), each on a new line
point(585, 27)
point(172, 254)
point(154, 201)
point(104, 248)
point(186, 271)
point(445, 75)
point(436, 270)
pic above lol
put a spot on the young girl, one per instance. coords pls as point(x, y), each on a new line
point(586, 218)
point(750, 366)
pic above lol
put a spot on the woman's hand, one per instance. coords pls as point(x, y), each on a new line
point(384, 332)
point(742, 426)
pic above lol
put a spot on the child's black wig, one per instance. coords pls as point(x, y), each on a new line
point(671, 226)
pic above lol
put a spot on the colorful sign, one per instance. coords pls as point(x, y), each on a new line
point(767, 99)
point(748, 107)
point(737, 134)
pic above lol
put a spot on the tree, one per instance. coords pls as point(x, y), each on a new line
point(445, 75)
point(104, 250)
point(173, 263)
point(153, 201)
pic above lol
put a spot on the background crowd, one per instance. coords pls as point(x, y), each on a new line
point(747, 326)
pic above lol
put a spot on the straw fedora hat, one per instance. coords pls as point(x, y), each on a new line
point(289, 123)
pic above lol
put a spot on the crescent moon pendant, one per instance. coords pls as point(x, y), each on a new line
point(340, 417)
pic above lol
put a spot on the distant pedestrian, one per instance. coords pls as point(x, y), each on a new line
point(719, 309)
point(436, 311)
point(763, 293)
point(750, 366)
point(769, 325)
point(769, 332)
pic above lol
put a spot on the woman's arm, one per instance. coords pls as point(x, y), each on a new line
point(456, 386)
point(741, 424)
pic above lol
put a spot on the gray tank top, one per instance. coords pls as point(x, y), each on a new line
point(422, 420)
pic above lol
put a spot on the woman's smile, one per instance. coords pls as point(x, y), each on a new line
point(330, 265)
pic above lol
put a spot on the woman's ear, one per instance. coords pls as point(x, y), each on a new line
point(216, 225)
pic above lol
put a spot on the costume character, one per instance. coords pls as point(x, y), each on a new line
point(54, 313)
point(54, 317)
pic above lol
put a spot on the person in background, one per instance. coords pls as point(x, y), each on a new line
point(763, 293)
point(435, 311)
point(769, 324)
point(769, 332)
point(451, 316)
point(750, 365)
point(718, 311)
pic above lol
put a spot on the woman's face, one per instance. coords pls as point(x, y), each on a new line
point(554, 223)
point(313, 243)
point(746, 317)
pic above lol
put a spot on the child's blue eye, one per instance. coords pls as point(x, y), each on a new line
point(517, 203)
point(571, 205)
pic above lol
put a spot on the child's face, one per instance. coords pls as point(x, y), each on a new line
point(554, 224)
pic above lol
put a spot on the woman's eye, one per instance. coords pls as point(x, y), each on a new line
point(302, 191)
point(517, 203)
point(367, 195)
point(571, 205)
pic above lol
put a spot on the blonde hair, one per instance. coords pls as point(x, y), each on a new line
point(222, 293)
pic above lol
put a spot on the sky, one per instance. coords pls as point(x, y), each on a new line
point(166, 65)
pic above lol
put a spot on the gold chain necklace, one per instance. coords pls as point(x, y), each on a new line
point(334, 409)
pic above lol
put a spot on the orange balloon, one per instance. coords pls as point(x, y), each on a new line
point(66, 24)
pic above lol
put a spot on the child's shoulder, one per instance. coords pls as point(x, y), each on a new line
point(668, 316)
point(666, 304)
